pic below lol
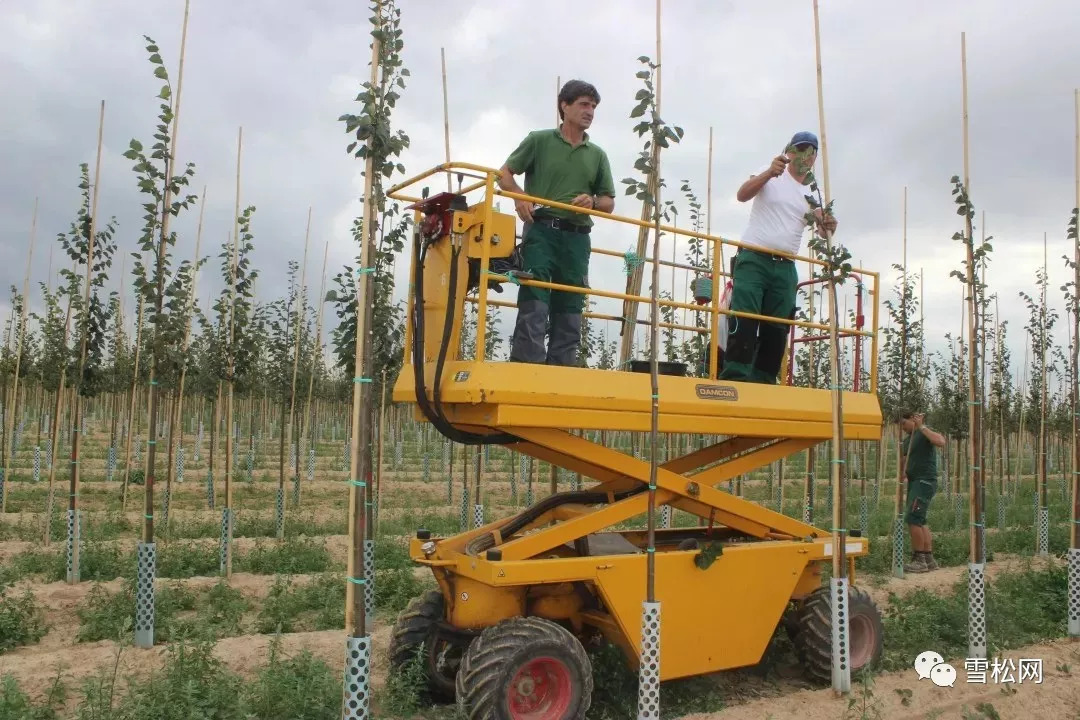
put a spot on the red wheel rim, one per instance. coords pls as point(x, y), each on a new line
point(540, 690)
point(863, 641)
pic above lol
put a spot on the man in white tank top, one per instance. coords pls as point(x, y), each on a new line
point(764, 283)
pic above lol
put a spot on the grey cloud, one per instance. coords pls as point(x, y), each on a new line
point(892, 96)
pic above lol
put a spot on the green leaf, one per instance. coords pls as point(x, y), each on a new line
point(161, 73)
point(165, 93)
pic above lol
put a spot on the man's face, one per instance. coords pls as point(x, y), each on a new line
point(908, 425)
point(803, 156)
point(580, 112)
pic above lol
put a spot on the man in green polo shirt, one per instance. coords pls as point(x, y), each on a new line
point(561, 164)
point(920, 466)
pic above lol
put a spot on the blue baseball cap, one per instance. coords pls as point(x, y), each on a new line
point(804, 137)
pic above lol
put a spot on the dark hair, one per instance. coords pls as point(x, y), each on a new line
point(575, 89)
point(907, 414)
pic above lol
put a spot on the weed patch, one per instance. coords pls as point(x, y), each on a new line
point(21, 621)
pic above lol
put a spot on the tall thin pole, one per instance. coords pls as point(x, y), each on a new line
point(976, 599)
point(841, 670)
point(300, 311)
point(19, 332)
point(1074, 514)
point(446, 117)
point(231, 370)
point(84, 333)
point(360, 460)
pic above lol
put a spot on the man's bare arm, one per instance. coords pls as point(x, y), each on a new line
point(605, 203)
point(750, 188)
point(506, 180)
point(753, 186)
point(507, 183)
point(936, 439)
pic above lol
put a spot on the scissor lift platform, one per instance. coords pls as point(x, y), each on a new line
point(505, 395)
point(519, 596)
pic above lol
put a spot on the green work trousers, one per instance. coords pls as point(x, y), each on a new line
point(762, 284)
point(557, 256)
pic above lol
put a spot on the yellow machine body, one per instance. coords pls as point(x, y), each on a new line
point(584, 563)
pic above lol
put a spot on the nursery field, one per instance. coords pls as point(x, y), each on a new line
point(266, 641)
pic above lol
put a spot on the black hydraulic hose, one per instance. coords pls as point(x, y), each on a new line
point(517, 523)
point(434, 414)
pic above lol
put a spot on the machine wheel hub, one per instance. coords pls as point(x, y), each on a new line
point(540, 690)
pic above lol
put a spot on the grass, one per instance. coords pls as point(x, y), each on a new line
point(179, 612)
point(21, 621)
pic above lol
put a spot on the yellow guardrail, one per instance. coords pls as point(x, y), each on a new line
point(486, 179)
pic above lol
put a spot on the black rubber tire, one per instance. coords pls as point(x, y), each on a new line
point(414, 630)
point(814, 639)
point(499, 653)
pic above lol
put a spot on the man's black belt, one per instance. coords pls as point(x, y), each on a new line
point(768, 255)
point(562, 224)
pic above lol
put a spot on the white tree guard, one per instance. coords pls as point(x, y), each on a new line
point(310, 464)
point(179, 463)
point(357, 699)
point(841, 635)
point(464, 508)
point(369, 579)
point(37, 463)
point(648, 707)
point(279, 513)
point(976, 611)
point(864, 515)
point(898, 546)
point(1001, 512)
point(1044, 531)
point(1074, 592)
point(74, 535)
point(144, 595)
point(478, 515)
point(665, 516)
point(210, 489)
point(226, 538)
point(166, 501)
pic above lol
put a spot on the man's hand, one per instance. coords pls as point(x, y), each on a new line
point(779, 164)
point(825, 222)
point(919, 420)
point(583, 200)
point(524, 210)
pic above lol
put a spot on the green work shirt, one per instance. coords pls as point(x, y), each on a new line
point(922, 463)
point(556, 170)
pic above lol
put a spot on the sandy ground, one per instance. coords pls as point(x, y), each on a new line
point(1056, 698)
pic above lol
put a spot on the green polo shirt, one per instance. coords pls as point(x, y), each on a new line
point(922, 463)
point(556, 170)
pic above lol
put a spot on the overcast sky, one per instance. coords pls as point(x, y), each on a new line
point(285, 71)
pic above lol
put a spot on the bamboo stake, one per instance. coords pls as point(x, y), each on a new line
point(5, 479)
point(360, 441)
point(166, 216)
point(841, 680)
point(231, 359)
point(1074, 526)
point(977, 635)
point(379, 458)
point(1041, 445)
point(446, 118)
point(56, 424)
point(76, 431)
point(316, 358)
point(654, 349)
point(177, 415)
point(300, 311)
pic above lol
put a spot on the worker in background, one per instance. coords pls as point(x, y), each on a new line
point(919, 465)
point(561, 164)
point(764, 283)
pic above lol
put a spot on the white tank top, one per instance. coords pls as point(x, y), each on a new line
point(777, 216)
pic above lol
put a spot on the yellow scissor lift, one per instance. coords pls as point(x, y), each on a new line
point(503, 633)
